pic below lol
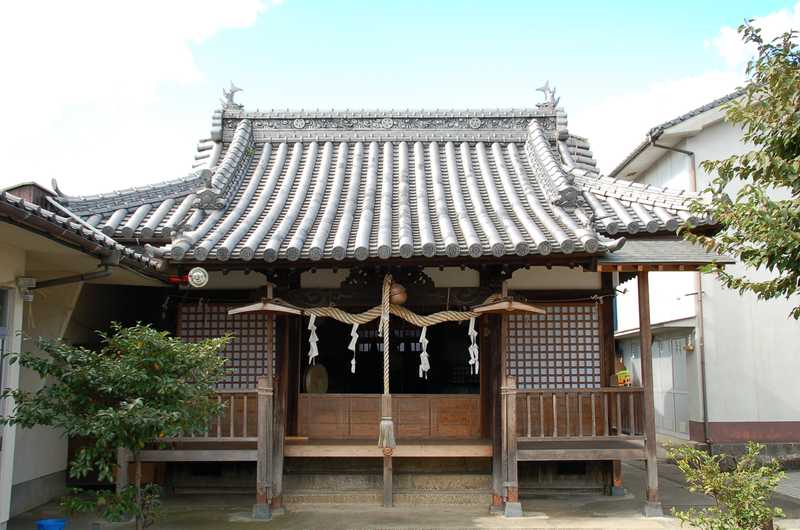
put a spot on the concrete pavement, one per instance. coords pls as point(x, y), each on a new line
point(579, 511)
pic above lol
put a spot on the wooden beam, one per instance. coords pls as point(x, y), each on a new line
point(562, 455)
point(199, 455)
point(646, 341)
point(648, 267)
point(408, 449)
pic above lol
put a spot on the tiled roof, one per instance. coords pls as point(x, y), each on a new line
point(662, 250)
point(333, 185)
point(70, 229)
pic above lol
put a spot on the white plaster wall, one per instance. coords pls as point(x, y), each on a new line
point(671, 298)
point(555, 278)
point(752, 349)
point(12, 264)
point(42, 451)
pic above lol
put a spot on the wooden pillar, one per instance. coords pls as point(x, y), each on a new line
point(503, 401)
point(387, 480)
point(510, 398)
point(508, 429)
point(652, 505)
point(608, 369)
point(498, 473)
point(261, 510)
point(280, 421)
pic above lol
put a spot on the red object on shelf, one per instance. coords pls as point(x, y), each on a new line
point(182, 279)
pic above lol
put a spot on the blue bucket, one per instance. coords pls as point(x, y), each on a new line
point(51, 524)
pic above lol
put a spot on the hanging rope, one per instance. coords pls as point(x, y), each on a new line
point(386, 438)
point(396, 310)
point(385, 308)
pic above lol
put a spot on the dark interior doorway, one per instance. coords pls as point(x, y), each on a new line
point(447, 349)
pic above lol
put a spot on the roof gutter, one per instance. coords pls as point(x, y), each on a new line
point(698, 282)
point(77, 278)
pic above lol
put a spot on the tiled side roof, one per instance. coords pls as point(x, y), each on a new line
point(327, 185)
point(662, 250)
point(658, 130)
point(28, 214)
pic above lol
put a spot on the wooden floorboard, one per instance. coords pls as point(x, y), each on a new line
point(368, 449)
point(528, 451)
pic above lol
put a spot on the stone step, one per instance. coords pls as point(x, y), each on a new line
point(402, 497)
point(409, 481)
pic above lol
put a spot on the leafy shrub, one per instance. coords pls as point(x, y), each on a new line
point(741, 493)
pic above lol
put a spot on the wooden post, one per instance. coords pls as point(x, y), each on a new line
point(510, 398)
point(388, 497)
point(280, 424)
point(652, 505)
point(387, 480)
point(498, 473)
point(513, 508)
point(122, 479)
point(261, 510)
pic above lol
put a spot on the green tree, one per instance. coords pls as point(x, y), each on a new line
point(741, 494)
point(140, 386)
point(762, 231)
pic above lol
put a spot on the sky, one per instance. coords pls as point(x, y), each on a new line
point(104, 95)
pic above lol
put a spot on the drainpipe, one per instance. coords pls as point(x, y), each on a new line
point(698, 285)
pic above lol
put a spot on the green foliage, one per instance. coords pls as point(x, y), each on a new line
point(741, 495)
point(140, 386)
point(761, 230)
point(116, 507)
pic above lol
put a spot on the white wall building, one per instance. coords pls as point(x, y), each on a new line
point(750, 348)
point(37, 245)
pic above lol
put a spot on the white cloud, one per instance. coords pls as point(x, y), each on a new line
point(81, 86)
point(618, 124)
point(736, 53)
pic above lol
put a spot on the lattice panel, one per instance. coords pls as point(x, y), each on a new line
point(246, 353)
point(560, 349)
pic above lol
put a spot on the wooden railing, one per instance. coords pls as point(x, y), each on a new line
point(576, 414)
point(238, 421)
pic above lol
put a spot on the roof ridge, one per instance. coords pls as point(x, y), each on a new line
point(536, 111)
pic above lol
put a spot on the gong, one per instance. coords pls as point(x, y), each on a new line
point(316, 380)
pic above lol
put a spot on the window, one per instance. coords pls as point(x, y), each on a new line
point(560, 349)
point(246, 353)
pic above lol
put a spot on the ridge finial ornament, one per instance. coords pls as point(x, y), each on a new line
point(549, 94)
point(228, 102)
